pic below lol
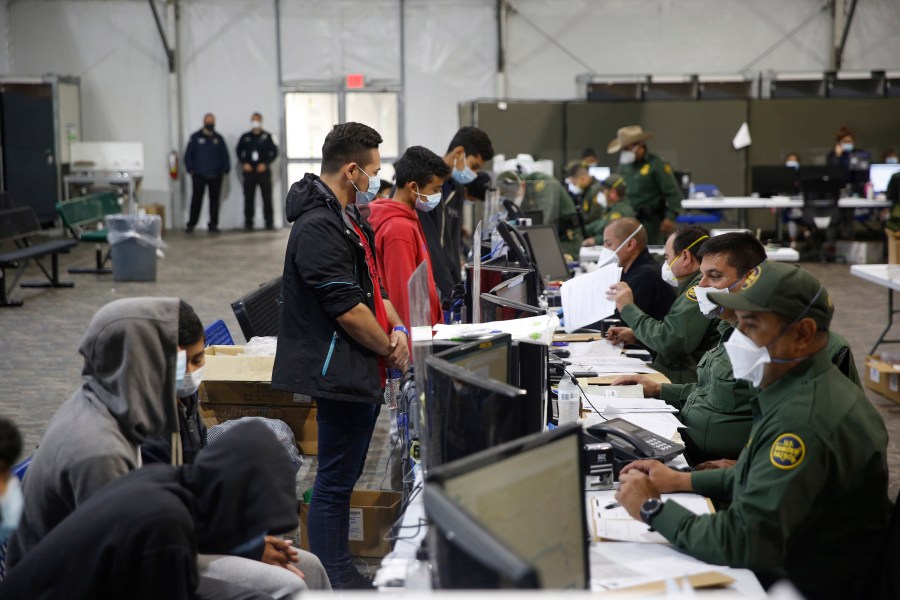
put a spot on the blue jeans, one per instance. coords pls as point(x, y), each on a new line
point(345, 430)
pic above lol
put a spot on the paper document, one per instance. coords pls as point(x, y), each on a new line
point(615, 524)
point(621, 566)
point(584, 298)
point(609, 365)
point(616, 391)
point(742, 138)
point(596, 349)
point(538, 329)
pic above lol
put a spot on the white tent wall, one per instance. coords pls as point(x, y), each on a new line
point(874, 38)
point(4, 36)
point(229, 61)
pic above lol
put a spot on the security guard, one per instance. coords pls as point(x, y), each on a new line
point(716, 410)
point(681, 338)
point(541, 192)
point(652, 189)
point(617, 206)
point(256, 151)
point(808, 495)
point(206, 160)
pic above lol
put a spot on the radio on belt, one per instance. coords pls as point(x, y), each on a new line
point(598, 460)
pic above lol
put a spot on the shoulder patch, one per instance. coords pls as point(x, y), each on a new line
point(667, 168)
point(691, 294)
point(645, 170)
point(787, 451)
point(752, 277)
point(614, 216)
point(539, 186)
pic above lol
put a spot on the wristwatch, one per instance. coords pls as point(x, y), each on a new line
point(401, 328)
point(650, 509)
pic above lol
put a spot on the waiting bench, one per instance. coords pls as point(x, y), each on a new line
point(17, 228)
point(81, 216)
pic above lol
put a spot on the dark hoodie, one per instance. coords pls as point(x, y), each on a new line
point(139, 536)
point(325, 275)
point(128, 395)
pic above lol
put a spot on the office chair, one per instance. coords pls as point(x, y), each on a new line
point(821, 213)
point(259, 312)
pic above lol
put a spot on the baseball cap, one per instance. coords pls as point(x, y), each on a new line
point(613, 182)
point(781, 288)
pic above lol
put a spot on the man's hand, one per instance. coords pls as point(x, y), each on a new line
point(280, 553)
point(635, 488)
point(651, 388)
point(248, 167)
point(621, 335)
point(722, 463)
point(621, 294)
point(667, 227)
point(261, 168)
point(589, 242)
point(664, 479)
point(399, 354)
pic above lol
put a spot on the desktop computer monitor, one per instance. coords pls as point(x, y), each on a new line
point(526, 499)
point(880, 175)
point(778, 180)
point(547, 252)
point(486, 357)
point(599, 173)
point(498, 308)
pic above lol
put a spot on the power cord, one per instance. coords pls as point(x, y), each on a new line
point(584, 394)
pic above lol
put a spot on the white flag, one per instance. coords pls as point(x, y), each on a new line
point(742, 138)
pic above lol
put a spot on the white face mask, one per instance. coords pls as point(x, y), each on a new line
point(668, 276)
point(256, 124)
point(608, 257)
point(12, 504)
point(601, 199)
point(429, 203)
point(709, 308)
point(792, 164)
point(891, 160)
point(748, 361)
point(573, 189)
point(180, 367)
point(363, 198)
point(190, 384)
point(627, 157)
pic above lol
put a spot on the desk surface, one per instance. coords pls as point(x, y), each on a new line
point(592, 253)
point(877, 274)
point(777, 202)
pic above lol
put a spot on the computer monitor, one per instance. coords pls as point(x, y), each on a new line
point(777, 180)
point(521, 252)
point(493, 273)
point(528, 495)
point(548, 252)
point(599, 173)
point(880, 175)
point(486, 357)
point(536, 216)
point(498, 308)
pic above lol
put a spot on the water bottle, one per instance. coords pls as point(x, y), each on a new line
point(568, 400)
point(692, 191)
point(418, 572)
point(392, 383)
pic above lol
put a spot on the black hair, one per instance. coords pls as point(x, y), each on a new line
point(256, 114)
point(10, 443)
point(190, 329)
point(687, 235)
point(348, 143)
point(419, 164)
point(386, 184)
point(479, 186)
point(741, 249)
point(588, 152)
point(474, 141)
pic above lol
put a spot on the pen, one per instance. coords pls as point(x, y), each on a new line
point(612, 506)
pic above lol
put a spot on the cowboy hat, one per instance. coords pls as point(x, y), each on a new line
point(627, 136)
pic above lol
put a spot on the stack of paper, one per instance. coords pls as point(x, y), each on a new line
point(608, 365)
point(622, 566)
point(596, 349)
point(584, 298)
point(611, 522)
point(538, 329)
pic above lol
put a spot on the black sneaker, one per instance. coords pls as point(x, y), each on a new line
point(213, 229)
point(189, 229)
point(248, 227)
point(354, 580)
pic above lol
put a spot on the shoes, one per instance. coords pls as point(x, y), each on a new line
point(189, 229)
point(353, 580)
point(270, 227)
point(213, 228)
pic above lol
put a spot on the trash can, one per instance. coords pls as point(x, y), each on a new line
point(133, 241)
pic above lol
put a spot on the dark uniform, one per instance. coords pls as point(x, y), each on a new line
point(206, 159)
point(590, 208)
point(652, 295)
point(257, 149)
point(681, 338)
point(653, 192)
point(443, 232)
point(546, 194)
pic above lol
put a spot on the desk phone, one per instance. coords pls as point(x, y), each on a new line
point(631, 442)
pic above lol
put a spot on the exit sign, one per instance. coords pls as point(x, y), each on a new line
point(355, 81)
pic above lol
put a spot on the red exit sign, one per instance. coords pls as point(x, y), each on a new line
point(355, 81)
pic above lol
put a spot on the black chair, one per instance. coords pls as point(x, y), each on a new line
point(259, 312)
point(820, 211)
point(6, 201)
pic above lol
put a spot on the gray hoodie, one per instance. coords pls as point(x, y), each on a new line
point(128, 395)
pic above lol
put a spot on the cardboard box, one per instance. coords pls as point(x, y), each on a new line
point(860, 253)
point(883, 378)
point(157, 209)
point(301, 420)
point(893, 244)
point(372, 513)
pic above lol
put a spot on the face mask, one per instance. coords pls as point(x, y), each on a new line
point(627, 157)
point(190, 384)
point(11, 505)
point(180, 368)
point(573, 189)
point(256, 124)
point(891, 160)
point(209, 126)
point(707, 306)
point(792, 164)
point(429, 203)
point(847, 146)
point(464, 176)
point(667, 275)
point(363, 198)
point(601, 199)
point(612, 256)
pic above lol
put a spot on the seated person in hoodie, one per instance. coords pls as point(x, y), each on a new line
point(139, 536)
point(400, 245)
point(10, 490)
point(192, 432)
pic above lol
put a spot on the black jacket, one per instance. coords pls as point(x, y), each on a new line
point(206, 155)
point(325, 275)
point(158, 449)
point(443, 230)
point(651, 294)
point(262, 143)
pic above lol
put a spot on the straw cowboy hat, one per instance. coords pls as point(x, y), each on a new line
point(627, 136)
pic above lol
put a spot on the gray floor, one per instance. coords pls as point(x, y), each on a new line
point(40, 365)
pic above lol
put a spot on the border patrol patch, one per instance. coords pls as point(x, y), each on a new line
point(645, 170)
point(614, 216)
point(691, 294)
point(752, 277)
point(539, 186)
point(667, 168)
point(787, 451)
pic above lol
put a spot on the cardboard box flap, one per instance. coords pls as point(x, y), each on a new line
point(227, 363)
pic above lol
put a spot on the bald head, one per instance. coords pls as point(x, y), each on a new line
point(622, 228)
point(627, 237)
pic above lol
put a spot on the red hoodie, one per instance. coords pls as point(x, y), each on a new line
point(400, 247)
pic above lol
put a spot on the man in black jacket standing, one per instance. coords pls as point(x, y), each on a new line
point(255, 152)
point(206, 159)
point(338, 330)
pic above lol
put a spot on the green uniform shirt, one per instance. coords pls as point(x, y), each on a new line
point(716, 409)
point(808, 496)
point(653, 192)
point(614, 211)
point(547, 195)
point(680, 339)
point(590, 208)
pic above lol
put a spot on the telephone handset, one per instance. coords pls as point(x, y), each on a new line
point(631, 442)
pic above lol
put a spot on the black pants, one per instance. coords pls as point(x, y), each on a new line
point(264, 181)
point(215, 188)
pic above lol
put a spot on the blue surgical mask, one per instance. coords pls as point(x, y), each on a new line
point(792, 164)
point(363, 198)
point(466, 175)
point(180, 368)
point(891, 160)
point(847, 146)
point(12, 503)
point(429, 203)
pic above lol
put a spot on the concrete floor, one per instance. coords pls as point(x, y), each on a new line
point(40, 365)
